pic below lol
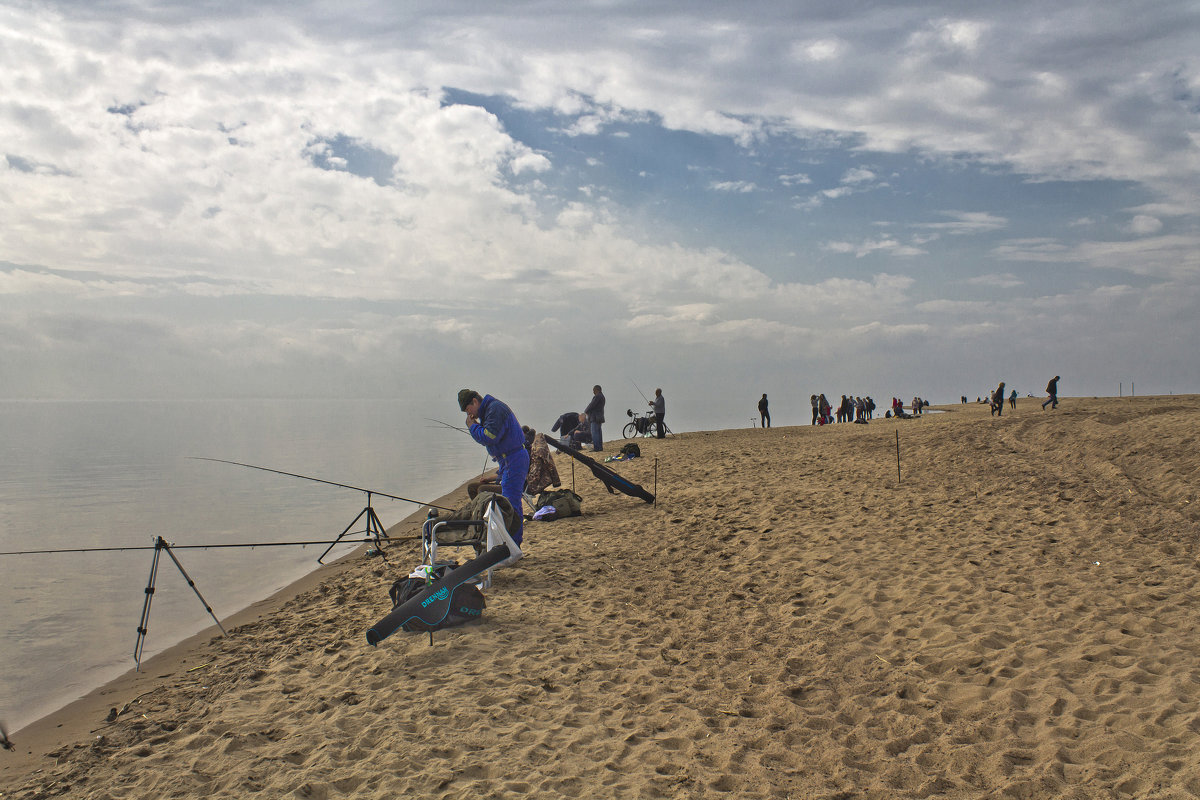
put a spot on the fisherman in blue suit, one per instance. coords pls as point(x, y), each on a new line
point(495, 426)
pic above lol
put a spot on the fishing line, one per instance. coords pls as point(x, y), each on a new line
point(322, 480)
point(448, 425)
point(202, 546)
point(639, 391)
point(482, 467)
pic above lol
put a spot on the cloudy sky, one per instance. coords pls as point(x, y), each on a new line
point(400, 199)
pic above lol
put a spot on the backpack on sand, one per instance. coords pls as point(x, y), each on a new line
point(565, 502)
point(467, 603)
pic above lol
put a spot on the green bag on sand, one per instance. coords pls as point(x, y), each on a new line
point(476, 508)
point(566, 503)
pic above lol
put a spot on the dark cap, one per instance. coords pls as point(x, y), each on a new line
point(465, 396)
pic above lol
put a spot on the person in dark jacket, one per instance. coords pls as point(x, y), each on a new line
point(493, 424)
point(659, 404)
point(1052, 390)
point(566, 424)
point(595, 415)
point(763, 413)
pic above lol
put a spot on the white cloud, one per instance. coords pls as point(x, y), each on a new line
point(1039, 249)
point(961, 34)
point(1144, 225)
point(966, 223)
point(858, 175)
point(1172, 257)
point(818, 50)
point(1000, 281)
point(737, 187)
point(157, 154)
point(887, 245)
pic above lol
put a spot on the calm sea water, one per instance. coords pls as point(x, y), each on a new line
point(112, 474)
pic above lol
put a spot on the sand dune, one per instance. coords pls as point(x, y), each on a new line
point(1013, 617)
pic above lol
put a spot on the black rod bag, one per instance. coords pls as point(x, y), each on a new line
point(611, 480)
point(434, 604)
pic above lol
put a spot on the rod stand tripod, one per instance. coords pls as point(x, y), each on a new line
point(374, 530)
point(161, 545)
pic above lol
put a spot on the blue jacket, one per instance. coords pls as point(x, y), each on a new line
point(497, 429)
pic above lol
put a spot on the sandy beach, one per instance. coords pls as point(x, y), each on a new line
point(1012, 616)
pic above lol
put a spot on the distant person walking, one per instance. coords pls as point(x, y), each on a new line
point(595, 415)
point(659, 404)
point(763, 413)
point(1052, 390)
point(816, 406)
point(1012, 400)
point(998, 401)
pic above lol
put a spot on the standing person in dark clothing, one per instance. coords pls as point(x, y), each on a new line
point(595, 415)
point(659, 404)
point(1052, 390)
point(998, 401)
point(763, 413)
point(815, 408)
point(493, 424)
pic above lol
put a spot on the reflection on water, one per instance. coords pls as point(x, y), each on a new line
point(116, 474)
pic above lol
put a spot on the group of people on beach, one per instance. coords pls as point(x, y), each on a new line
point(494, 425)
point(851, 409)
point(915, 410)
point(861, 409)
point(578, 428)
point(996, 398)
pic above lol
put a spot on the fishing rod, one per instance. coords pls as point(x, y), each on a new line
point(160, 546)
point(219, 546)
point(639, 391)
point(483, 467)
point(448, 425)
point(322, 480)
point(374, 527)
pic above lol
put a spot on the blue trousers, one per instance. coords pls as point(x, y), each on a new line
point(597, 440)
point(513, 472)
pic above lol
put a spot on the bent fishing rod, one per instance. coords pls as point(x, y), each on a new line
point(483, 468)
point(374, 526)
point(322, 480)
point(448, 425)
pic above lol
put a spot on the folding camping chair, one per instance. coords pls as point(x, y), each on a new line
point(480, 534)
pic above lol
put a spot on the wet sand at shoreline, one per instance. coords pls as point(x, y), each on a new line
point(1013, 617)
